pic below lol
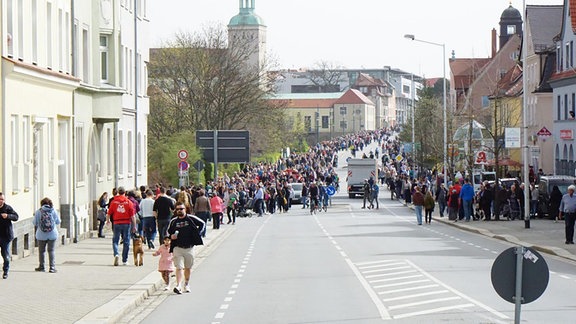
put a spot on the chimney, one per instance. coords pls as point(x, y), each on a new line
point(494, 50)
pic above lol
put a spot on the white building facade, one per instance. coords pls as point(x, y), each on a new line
point(73, 99)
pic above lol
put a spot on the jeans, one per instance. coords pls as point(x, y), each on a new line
point(203, 216)
point(418, 214)
point(569, 220)
point(162, 229)
point(124, 231)
point(533, 207)
point(442, 207)
point(5, 249)
point(149, 228)
point(51, 255)
point(467, 205)
point(304, 200)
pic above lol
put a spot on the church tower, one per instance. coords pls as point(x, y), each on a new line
point(247, 28)
point(510, 24)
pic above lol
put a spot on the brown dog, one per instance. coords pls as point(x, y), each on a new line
point(138, 250)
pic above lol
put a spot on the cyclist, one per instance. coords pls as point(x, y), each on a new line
point(324, 197)
point(314, 194)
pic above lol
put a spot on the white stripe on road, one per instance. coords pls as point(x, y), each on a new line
point(437, 292)
point(401, 283)
point(381, 308)
point(390, 274)
point(388, 269)
point(434, 310)
point(379, 266)
point(424, 302)
point(394, 279)
point(407, 289)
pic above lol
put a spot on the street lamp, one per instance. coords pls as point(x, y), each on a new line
point(412, 37)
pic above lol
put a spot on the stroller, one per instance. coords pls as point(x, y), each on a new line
point(512, 210)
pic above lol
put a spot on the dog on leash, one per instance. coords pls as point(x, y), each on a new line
point(138, 250)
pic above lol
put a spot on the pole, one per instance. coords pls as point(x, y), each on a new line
point(413, 116)
point(525, 173)
point(215, 155)
point(518, 284)
point(444, 112)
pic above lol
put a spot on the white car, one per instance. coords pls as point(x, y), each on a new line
point(297, 188)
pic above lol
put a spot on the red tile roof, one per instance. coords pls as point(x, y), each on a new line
point(465, 70)
point(353, 96)
point(573, 15)
point(305, 103)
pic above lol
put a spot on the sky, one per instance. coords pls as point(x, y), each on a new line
point(352, 33)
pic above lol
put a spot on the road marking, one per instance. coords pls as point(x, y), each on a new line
point(391, 274)
point(407, 289)
point(378, 266)
point(380, 270)
point(432, 311)
point(401, 283)
point(437, 292)
point(394, 279)
point(424, 302)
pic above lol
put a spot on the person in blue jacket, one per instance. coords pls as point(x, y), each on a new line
point(467, 196)
point(46, 220)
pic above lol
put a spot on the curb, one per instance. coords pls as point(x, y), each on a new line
point(114, 310)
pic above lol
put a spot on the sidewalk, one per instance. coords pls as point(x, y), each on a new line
point(87, 288)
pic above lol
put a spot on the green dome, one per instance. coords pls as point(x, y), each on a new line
point(246, 17)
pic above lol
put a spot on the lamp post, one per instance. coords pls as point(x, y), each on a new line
point(412, 37)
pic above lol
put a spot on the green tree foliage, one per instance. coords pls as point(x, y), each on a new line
point(198, 82)
point(163, 157)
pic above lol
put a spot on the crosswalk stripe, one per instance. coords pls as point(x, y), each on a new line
point(407, 289)
point(434, 310)
point(430, 293)
point(424, 302)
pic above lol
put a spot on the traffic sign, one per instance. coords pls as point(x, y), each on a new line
point(544, 132)
point(330, 190)
point(183, 165)
point(534, 276)
point(199, 165)
point(183, 154)
point(399, 158)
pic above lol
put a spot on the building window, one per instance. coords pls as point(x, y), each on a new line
point(27, 150)
point(511, 29)
point(567, 55)
point(49, 34)
point(325, 121)
point(85, 56)
point(79, 154)
point(558, 105)
point(15, 152)
point(566, 106)
point(104, 58)
point(342, 110)
point(308, 123)
point(109, 152)
point(120, 146)
point(130, 146)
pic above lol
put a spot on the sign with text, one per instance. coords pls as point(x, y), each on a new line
point(512, 137)
point(566, 134)
point(544, 132)
point(226, 146)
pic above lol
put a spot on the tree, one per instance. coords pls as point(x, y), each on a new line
point(198, 83)
point(326, 76)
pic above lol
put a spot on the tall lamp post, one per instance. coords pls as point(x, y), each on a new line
point(412, 37)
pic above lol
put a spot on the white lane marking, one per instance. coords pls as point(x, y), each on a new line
point(219, 315)
point(486, 307)
point(387, 269)
point(381, 308)
point(424, 302)
point(390, 274)
point(437, 292)
point(225, 306)
point(379, 266)
point(394, 279)
point(375, 262)
point(228, 299)
point(407, 289)
point(435, 310)
point(565, 277)
point(234, 286)
point(231, 292)
point(401, 283)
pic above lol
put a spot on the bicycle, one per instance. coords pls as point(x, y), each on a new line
point(313, 205)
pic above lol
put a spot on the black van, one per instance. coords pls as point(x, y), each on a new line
point(545, 186)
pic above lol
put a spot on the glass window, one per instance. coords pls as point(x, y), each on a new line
point(104, 58)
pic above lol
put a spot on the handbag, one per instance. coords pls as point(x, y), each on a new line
point(101, 215)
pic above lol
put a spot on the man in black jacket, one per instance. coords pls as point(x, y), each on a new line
point(184, 230)
point(7, 216)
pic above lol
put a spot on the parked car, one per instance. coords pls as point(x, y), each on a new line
point(545, 188)
point(297, 187)
point(508, 182)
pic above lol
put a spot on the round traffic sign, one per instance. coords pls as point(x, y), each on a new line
point(183, 165)
point(348, 159)
point(183, 154)
point(330, 190)
point(535, 275)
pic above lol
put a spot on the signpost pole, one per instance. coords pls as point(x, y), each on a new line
point(215, 155)
point(518, 294)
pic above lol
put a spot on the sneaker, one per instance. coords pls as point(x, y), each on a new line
point(166, 287)
point(124, 263)
point(187, 289)
point(5, 275)
point(116, 260)
point(52, 270)
point(40, 269)
point(177, 291)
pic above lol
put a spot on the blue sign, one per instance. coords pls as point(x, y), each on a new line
point(183, 165)
point(330, 191)
point(348, 159)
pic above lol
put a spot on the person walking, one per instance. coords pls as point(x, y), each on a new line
point(442, 199)
point(202, 208)
point(7, 216)
point(453, 204)
point(366, 189)
point(165, 264)
point(217, 210)
point(374, 195)
point(184, 230)
point(568, 211)
point(163, 208)
point(101, 213)
point(259, 200)
point(429, 204)
point(418, 201)
point(467, 196)
point(46, 220)
point(122, 210)
point(148, 219)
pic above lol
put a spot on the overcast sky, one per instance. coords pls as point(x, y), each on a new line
point(352, 33)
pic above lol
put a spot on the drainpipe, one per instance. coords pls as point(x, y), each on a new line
point(136, 148)
point(74, 166)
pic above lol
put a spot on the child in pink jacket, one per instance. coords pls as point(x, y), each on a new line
point(165, 264)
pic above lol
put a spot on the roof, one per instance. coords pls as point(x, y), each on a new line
point(511, 83)
point(246, 17)
point(354, 96)
point(465, 70)
point(308, 96)
point(545, 23)
point(511, 13)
